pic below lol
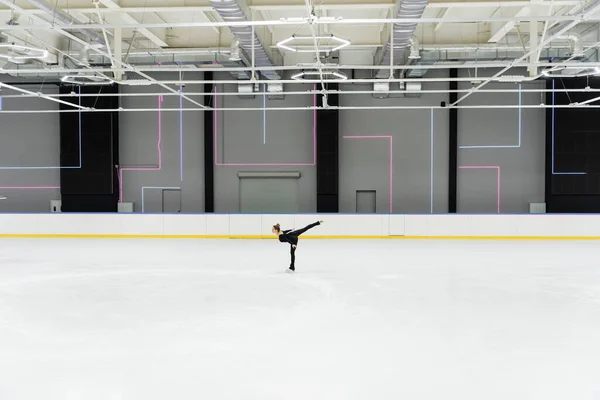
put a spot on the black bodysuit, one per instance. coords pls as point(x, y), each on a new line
point(291, 237)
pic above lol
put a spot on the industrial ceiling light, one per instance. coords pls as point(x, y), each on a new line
point(337, 43)
point(556, 72)
point(335, 74)
point(85, 79)
point(19, 53)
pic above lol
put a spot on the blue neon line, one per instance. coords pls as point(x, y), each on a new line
point(558, 173)
point(181, 133)
point(520, 112)
point(431, 200)
point(264, 114)
point(505, 146)
point(80, 152)
point(156, 187)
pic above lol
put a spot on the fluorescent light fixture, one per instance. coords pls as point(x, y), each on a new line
point(136, 82)
point(87, 80)
point(300, 75)
point(23, 52)
point(511, 78)
point(337, 43)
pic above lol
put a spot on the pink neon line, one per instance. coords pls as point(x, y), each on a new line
point(160, 100)
point(315, 124)
point(215, 120)
point(391, 139)
point(487, 167)
point(216, 154)
point(28, 187)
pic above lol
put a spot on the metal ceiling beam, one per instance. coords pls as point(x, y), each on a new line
point(443, 13)
point(110, 4)
point(283, 7)
point(119, 64)
point(495, 4)
point(304, 21)
point(466, 65)
point(435, 4)
point(138, 10)
point(588, 9)
point(509, 26)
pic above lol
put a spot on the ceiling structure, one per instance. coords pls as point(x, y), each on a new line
point(315, 41)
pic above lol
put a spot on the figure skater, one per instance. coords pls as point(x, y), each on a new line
point(290, 236)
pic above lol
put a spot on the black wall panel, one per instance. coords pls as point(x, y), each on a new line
point(209, 162)
point(572, 148)
point(453, 145)
point(92, 186)
point(328, 154)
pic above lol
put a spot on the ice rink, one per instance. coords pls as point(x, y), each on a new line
point(220, 319)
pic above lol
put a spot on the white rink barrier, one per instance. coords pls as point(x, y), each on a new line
point(256, 226)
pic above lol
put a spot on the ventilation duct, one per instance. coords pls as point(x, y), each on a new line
point(577, 50)
point(65, 18)
point(275, 91)
point(381, 90)
point(402, 33)
point(231, 11)
point(246, 90)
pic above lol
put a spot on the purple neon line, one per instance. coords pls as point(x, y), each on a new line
point(391, 139)
point(28, 187)
point(160, 100)
point(487, 167)
point(216, 155)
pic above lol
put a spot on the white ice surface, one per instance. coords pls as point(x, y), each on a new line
point(200, 319)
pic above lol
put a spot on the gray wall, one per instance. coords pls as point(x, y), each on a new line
point(364, 163)
point(138, 147)
point(241, 140)
point(29, 140)
point(33, 140)
point(522, 168)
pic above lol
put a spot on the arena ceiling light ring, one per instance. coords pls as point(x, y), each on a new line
point(87, 80)
point(335, 74)
point(22, 52)
point(556, 72)
point(337, 43)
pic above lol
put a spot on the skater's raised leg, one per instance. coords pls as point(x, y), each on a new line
point(301, 231)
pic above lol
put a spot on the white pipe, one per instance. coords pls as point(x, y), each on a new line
point(41, 95)
point(311, 92)
point(308, 108)
point(575, 39)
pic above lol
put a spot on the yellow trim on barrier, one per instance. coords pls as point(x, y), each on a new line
point(350, 237)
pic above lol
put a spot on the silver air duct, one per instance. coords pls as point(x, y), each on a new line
point(230, 10)
point(402, 32)
point(65, 19)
